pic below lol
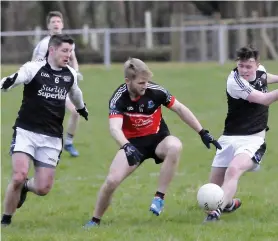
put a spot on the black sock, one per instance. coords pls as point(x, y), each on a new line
point(69, 135)
point(6, 219)
point(159, 194)
point(25, 186)
point(96, 220)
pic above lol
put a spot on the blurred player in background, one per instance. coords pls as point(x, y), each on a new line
point(38, 128)
point(55, 25)
point(243, 140)
point(137, 125)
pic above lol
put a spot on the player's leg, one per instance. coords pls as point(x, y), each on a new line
point(119, 170)
point(247, 157)
point(221, 160)
point(43, 179)
point(20, 168)
point(220, 163)
point(47, 157)
point(45, 168)
point(22, 150)
point(239, 165)
point(71, 129)
point(217, 175)
point(168, 150)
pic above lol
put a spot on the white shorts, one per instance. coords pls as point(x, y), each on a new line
point(252, 145)
point(45, 150)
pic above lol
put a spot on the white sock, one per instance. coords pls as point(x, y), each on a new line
point(69, 139)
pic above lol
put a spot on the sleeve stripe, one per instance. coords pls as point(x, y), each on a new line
point(171, 102)
point(156, 87)
point(115, 116)
point(117, 95)
point(241, 84)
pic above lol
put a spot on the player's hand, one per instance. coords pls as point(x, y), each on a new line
point(83, 112)
point(209, 139)
point(133, 156)
point(79, 76)
point(7, 82)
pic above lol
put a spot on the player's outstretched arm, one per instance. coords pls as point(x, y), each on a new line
point(186, 115)
point(22, 76)
point(189, 118)
point(238, 87)
point(76, 97)
point(271, 78)
point(263, 98)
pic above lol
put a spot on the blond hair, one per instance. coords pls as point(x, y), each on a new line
point(135, 67)
point(53, 14)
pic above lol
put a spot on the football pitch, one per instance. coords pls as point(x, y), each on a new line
point(59, 216)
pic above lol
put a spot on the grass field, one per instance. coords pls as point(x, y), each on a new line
point(61, 214)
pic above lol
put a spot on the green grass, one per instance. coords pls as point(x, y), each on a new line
point(61, 214)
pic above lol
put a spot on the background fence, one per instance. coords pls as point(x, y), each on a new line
point(187, 40)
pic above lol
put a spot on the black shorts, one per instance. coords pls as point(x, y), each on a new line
point(147, 145)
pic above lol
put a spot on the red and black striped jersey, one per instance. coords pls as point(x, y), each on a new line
point(143, 116)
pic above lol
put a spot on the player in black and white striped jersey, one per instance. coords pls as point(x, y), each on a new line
point(55, 25)
point(38, 129)
point(243, 140)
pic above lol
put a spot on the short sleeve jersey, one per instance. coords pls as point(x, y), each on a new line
point(143, 116)
point(243, 117)
point(44, 95)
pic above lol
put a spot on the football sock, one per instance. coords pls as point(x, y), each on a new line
point(218, 211)
point(69, 139)
point(96, 220)
point(159, 194)
point(6, 219)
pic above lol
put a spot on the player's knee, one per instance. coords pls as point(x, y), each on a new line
point(112, 181)
point(232, 172)
point(217, 177)
point(43, 190)
point(19, 178)
point(175, 147)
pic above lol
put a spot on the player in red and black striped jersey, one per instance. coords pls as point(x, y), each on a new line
point(136, 123)
point(141, 116)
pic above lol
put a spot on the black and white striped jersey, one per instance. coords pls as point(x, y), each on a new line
point(143, 116)
point(45, 89)
point(243, 117)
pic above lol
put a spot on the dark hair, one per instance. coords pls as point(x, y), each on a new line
point(53, 14)
point(247, 52)
point(57, 40)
